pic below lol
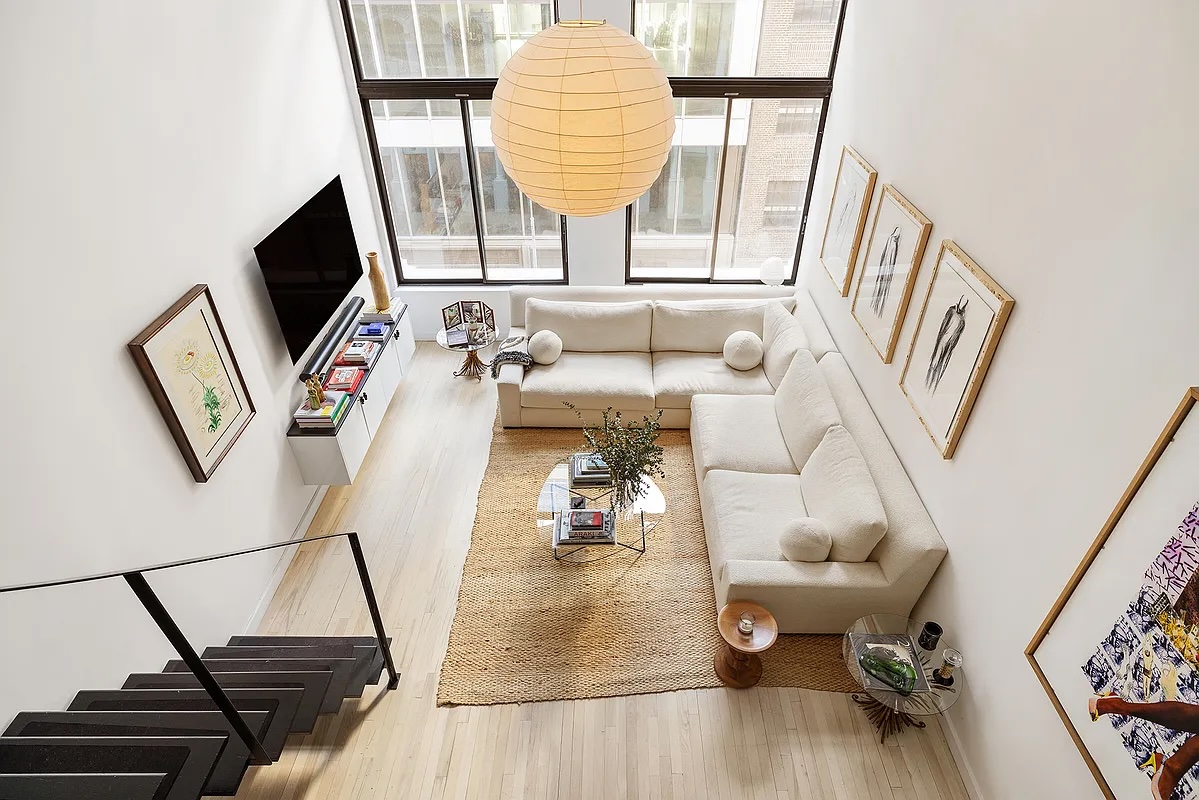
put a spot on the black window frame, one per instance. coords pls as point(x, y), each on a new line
point(733, 88)
point(462, 90)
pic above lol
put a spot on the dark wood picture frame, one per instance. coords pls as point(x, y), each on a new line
point(137, 348)
point(1113, 520)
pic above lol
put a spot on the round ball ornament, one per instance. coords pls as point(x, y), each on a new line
point(582, 118)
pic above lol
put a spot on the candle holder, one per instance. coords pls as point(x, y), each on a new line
point(950, 660)
point(745, 625)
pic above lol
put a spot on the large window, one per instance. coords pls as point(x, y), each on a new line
point(425, 72)
point(751, 80)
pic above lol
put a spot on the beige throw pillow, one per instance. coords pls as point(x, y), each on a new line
point(839, 491)
point(743, 350)
point(545, 347)
point(805, 539)
point(804, 408)
point(782, 336)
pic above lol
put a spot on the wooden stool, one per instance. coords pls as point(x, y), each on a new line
point(737, 663)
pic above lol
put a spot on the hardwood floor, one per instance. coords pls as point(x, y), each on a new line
point(413, 504)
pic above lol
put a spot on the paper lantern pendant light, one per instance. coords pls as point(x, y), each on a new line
point(582, 118)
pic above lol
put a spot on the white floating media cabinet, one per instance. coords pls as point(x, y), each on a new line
point(332, 457)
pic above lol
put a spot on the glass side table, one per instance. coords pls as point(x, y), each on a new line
point(557, 495)
point(472, 365)
point(889, 710)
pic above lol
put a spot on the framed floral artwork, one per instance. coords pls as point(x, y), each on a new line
point(186, 360)
point(888, 272)
point(1118, 653)
point(852, 191)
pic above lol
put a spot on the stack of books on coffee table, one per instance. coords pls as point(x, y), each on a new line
point(584, 526)
point(588, 470)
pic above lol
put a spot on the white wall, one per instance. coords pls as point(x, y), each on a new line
point(1055, 143)
point(144, 150)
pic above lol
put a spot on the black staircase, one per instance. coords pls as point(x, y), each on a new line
point(194, 728)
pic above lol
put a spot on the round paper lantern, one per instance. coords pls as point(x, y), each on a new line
point(772, 271)
point(582, 117)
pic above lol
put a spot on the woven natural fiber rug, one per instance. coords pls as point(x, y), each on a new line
point(530, 628)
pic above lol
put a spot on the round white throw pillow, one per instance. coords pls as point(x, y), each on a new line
point(805, 539)
point(545, 347)
point(743, 350)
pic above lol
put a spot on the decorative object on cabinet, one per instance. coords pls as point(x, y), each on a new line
point(1119, 646)
point(187, 362)
point(378, 284)
point(595, 137)
point(887, 276)
point(963, 316)
point(852, 191)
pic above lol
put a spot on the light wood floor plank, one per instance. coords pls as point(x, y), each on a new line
point(413, 505)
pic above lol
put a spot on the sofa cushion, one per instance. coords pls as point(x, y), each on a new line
point(782, 336)
point(838, 491)
point(701, 326)
point(591, 380)
point(743, 350)
point(679, 376)
point(804, 407)
point(805, 539)
point(544, 347)
point(750, 511)
point(738, 433)
point(593, 327)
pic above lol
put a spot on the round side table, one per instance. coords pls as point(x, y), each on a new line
point(472, 365)
point(738, 663)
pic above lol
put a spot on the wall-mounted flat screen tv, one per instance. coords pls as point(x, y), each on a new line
point(310, 263)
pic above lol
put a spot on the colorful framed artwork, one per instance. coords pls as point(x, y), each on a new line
point(852, 191)
point(186, 360)
point(888, 272)
point(1118, 653)
point(957, 333)
point(451, 316)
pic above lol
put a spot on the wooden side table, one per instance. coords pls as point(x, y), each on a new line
point(738, 663)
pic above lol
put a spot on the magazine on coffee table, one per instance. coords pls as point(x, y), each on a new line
point(888, 646)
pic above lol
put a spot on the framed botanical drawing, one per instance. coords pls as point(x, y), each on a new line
point(187, 362)
point(960, 323)
point(1118, 653)
point(888, 272)
point(847, 217)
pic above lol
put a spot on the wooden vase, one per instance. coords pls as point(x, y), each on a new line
point(378, 283)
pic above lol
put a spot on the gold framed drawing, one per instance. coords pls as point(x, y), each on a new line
point(852, 191)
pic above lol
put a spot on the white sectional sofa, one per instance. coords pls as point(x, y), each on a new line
point(807, 510)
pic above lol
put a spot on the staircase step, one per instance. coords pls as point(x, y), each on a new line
point(279, 704)
point(314, 684)
point(340, 667)
point(129, 786)
point(363, 657)
point(187, 761)
point(230, 768)
point(376, 666)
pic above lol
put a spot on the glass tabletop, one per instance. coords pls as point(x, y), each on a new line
point(631, 527)
point(885, 634)
point(488, 339)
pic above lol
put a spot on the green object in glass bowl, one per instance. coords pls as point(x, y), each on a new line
point(899, 675)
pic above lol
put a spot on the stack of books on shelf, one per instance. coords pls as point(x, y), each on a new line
point(372, 331)
point(345, 379)
point(588, 470)
point(584, 526)
point(356, 354)
point(379, 316)
point(327, 416)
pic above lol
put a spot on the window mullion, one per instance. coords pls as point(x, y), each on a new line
point(472, 172)
point(724, 160)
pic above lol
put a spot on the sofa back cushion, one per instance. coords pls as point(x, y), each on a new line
point(782, 336)
point(701, 326)
point(804, 407)
point(593, 327)
point(838, 491)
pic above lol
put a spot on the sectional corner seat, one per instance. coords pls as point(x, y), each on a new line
point(768, 451)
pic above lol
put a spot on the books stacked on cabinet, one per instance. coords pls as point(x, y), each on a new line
point(588, 470)
point(372, 331)
point(585, 526)
point(345, 379)
point(356, 354)
point(327, 416)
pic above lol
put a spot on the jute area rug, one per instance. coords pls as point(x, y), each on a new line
point(530, 628)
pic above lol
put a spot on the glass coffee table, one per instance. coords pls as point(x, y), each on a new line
point(889, 710)
point(632, 527)
point(472, 365)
